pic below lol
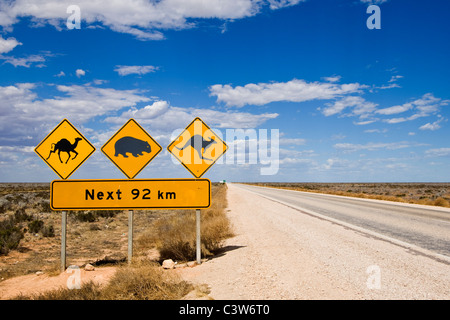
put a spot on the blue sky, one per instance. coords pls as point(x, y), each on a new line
point(350, 103)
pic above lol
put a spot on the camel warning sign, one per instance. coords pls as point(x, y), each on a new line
point(64, 149)
point(131, 148)
point(197, 147)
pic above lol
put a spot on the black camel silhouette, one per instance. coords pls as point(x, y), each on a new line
point(66, 146)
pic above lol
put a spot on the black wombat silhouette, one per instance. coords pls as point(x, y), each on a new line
point(131, 145)
point(65, 146)
point(199, 144)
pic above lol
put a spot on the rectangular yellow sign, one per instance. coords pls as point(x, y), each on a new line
point(136, 194)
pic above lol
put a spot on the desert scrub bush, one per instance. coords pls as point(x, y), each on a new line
point(21, 216)
point(93, 216)
point(145, 281)
point(441, 202)
point(35, 226)
point(84, 216)
point(141, 281)
point(10, 235)
point(44, 205)
point(5, 205)
point(48, 231)
point(88, 291)
point(175, 234)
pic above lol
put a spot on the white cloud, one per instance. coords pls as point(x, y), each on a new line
point(360, 107)
point(24, 114)
point(396, 109)
point(142, 19)
point(395, 78)
point(363, 123)
point(26, 61)
point(371, 146)
point(80, 72)
point(277, 4)
point(6, 45)
point(334, 163)
point(296, 90)
point(292, 141)
point(375, 131)
point(161, 116)
point(374, 1)
point(439, 152)
point(60, 74)
point(126, 70)
point(427, 105)
point(432, 126)
point(332, 79)
point(392, 83)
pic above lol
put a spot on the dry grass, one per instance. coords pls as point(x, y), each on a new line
point(141, 281)
point(434, 194)
point(174, 235)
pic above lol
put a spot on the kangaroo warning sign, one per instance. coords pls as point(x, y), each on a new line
point(131, 148)
point(64, 149)
point(197, 147)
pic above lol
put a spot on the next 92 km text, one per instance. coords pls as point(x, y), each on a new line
point(91, 194)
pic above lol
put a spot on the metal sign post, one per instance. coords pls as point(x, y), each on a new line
point(198, 245)
point(130, 236)
point(63, 240)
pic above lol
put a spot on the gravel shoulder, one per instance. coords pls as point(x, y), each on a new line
point(280, 253)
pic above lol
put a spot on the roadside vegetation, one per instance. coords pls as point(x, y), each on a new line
point(174, 234)
point(433, 194)
point(30, 241)
point(140, 281)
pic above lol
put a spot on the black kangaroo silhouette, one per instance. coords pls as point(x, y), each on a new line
point(65, 146)
point(199, 144)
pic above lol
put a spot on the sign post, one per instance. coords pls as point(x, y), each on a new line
point(198, 243)
point(131, 148)
point(63, 240)
point(197, 148)
point(130, 236)
point(73, 156)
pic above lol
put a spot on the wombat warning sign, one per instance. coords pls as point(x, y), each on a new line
point(131, 148)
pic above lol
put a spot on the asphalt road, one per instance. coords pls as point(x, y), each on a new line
point(422, 226)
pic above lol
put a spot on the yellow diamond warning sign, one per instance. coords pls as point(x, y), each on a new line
point(64, 149)
point(197, 147)
point(131, 148)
